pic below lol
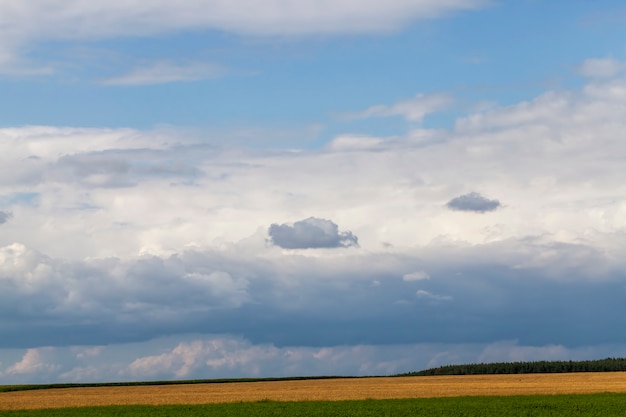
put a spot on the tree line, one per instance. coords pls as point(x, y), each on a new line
point(538, 367)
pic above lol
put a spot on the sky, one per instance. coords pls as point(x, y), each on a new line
point(247, 188)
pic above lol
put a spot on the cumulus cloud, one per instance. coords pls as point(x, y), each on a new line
point(32, 362)
point(181, 361)
point(227, 355)
point(311, 233)
point(413, 109)
point(223, 356)
point(473, 202)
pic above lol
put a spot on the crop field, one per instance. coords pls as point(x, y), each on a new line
point(321, 390)
point(593, 405)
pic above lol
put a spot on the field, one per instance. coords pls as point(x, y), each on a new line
point(594, 405)
point(322, 390)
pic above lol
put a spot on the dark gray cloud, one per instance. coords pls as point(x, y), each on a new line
point(5, 216)
point(311, 233)
point(474, 295)
point(473, 202)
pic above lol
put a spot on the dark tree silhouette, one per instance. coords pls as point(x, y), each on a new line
point(602, 365)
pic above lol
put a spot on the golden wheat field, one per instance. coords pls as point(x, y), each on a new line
point(328, 389)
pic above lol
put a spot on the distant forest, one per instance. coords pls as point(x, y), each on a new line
point(541, 367)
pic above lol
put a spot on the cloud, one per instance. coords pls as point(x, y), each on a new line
point(473, 202)
point(124, 236)
point(510, 351)
point(5, 216)
point(115, 18)
point(434, 297)
point(147, 191)
point(416, 276)
point(601, 67)
point(121, 168)
point(94, 169)
point(355, 143)
point(311, 233)
point(181, 361)
point(88, 20)
point(33, 362)
point(89, 352)
point(228, 356)
point(166, 72)
point(145, 290)
point(299, 299)
point(413, 109)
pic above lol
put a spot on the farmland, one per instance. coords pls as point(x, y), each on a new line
point(323, 390)
point(600, 405)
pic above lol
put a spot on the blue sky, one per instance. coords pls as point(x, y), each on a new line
point(244, 188)
point(503, 52)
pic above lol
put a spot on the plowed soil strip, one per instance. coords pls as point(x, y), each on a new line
point(309, 390)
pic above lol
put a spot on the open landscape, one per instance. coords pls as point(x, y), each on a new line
point(339, 389)
point(312, 208)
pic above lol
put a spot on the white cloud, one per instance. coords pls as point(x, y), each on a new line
point(430, 296)
point(601, 67)
point(166, 72)
point(222, 356)
point(560, 152)
point(138, 17)
point(33, 362)
point(149, 191)
point(413, 109)
point(22, 23)
point(416, 276)
point(181, 361)
point(355, 142)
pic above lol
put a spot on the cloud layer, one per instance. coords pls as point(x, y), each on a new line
point(221, 356)
point(44, 20)
point(120, 236)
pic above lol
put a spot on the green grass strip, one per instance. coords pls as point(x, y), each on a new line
point(601, 405)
